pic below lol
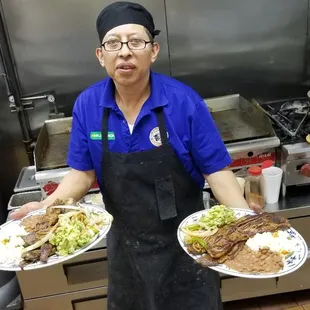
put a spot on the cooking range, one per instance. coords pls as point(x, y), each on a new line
point(246, 131)
point(291, 122)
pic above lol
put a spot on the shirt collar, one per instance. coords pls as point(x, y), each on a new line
point(156, 99)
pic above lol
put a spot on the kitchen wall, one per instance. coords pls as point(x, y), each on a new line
point(12, 152)
point(252, 47)
point(238, 46)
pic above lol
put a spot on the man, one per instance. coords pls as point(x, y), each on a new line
point(151, 143)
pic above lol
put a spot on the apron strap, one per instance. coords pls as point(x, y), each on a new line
point(162, 125)
point(104, 134)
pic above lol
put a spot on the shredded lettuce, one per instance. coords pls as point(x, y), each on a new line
point(218, 216)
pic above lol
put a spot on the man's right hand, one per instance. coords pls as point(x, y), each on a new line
point(25, 209)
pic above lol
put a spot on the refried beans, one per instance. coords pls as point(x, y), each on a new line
point(263, 261)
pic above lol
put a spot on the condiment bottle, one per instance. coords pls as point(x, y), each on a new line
point(253, 188)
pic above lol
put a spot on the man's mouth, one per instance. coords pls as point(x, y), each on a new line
point(126, 66)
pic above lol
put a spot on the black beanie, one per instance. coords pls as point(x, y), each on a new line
point(121, 13)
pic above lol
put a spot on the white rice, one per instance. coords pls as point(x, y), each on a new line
point(11, 244)
point(279, 242)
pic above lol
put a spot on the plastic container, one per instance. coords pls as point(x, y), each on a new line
point(254, 193)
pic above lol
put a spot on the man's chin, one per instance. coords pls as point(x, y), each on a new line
point(125, 80)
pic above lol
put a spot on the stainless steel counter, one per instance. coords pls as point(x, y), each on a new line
point(296, 198)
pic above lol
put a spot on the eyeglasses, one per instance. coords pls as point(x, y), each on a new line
point(133, 44)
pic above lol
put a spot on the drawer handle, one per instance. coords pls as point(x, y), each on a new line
point(89, 271)
point(94, 302)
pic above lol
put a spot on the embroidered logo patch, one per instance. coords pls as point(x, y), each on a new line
point(155, 136)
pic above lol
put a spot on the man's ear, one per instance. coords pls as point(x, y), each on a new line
point(155, 51)
point(99, 56)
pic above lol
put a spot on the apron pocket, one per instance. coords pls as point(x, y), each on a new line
point(165, 198)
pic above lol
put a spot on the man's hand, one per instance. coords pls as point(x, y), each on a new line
point(25, 209)
point(226, 190)
point(256, 208)
point(74, 185)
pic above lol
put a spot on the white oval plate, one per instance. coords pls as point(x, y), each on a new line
point(291, 264)
point(55, 259)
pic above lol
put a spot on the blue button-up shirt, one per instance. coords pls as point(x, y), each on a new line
point(191, 130)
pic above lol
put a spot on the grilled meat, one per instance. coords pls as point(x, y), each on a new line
point(223, 241)
point(207, 261)
point(31, 222)
point(229, 240)
point(30, 239)
point(41, 223)
point(32, 256)
point(232, 253)
point(46, 251)
point(41, 254)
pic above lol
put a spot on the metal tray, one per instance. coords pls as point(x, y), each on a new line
point(26, 180)
point(237, 119)
point(52, 145)
point(19, 199)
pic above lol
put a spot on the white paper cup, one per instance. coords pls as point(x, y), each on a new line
point(241, 182)
point(271, 182)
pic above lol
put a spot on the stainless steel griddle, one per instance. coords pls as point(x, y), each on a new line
point(52, 145)
point(246, 131)
point(238, 120)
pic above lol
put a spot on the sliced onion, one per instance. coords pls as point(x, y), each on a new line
point(204, 233)
point(69, 208)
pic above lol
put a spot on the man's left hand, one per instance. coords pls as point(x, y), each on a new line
point(256, 208)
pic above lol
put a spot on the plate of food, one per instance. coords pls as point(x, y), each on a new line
point(241, 243)
point(51, 236)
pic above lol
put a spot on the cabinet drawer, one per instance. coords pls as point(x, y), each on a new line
point(241, 288)
point(94, 299)
point(298, 280)
point(86, 271)
point(302, 225)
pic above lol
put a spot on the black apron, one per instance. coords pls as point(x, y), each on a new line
point(149, 193)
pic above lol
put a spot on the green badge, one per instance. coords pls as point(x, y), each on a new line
point(111, 135)
point(96, 135)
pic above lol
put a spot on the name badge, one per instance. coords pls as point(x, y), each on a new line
point(97, 135)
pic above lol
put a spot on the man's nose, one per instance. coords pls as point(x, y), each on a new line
point(125, 51)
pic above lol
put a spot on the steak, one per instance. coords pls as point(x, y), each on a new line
point(41, 223)
point(207, 261)
point(46, 251)
point(32, 256)
point(30, 239)
point(41, 254)
point(224, 240)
